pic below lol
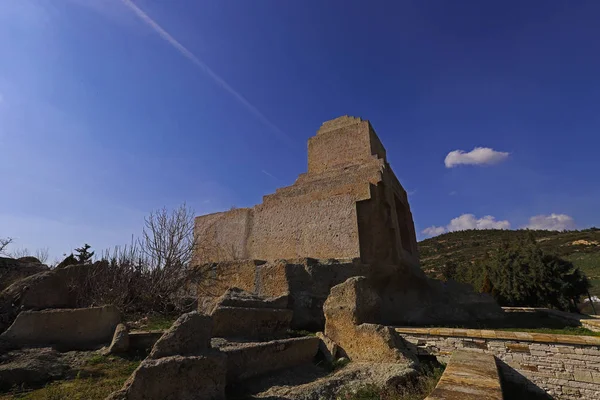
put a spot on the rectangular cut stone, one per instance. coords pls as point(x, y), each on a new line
point(250, 323)
point(68, 329)
point(246, 360)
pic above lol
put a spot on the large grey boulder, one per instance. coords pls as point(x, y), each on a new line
point(67, 329)
point(189, 335)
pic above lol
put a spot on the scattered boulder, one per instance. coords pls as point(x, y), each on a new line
point(120, 341)
point(350, 311)
point(189, 335)
point(72, 329)
point(30, 367)
point(176, 378)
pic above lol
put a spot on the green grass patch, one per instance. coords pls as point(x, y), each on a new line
point(97, 378)
point(299, 333)
point(569, 330)
point(152, 322)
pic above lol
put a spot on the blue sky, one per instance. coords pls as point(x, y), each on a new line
point(111, 108)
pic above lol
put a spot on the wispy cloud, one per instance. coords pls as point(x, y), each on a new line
point(477, 156)
point(269, 174)
point(200, 64)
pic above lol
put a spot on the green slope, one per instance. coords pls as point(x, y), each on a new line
point(582, 248)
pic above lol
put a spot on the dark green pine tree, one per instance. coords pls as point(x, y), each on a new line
point(84, 256)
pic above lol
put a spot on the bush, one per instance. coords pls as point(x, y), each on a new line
point(152, 274)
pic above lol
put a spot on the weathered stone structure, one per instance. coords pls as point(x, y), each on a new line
point(348, 205)
point(347, 216)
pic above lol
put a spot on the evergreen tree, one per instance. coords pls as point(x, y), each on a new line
point(84, 256)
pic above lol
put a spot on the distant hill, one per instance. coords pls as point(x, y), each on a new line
point(582, 248)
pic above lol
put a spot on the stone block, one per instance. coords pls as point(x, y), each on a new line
point(67, 329)
point(236, 297)
point(250, 323)
point(120, 341)
point(246, 360)
point(143, 340)
point(176, 378)
point(189, 335)
point(347, 310)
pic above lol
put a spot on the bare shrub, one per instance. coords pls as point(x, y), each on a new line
point(4, 243)
point(19, 253)
point(42, 254)
point(153, 273)
point(168, 237)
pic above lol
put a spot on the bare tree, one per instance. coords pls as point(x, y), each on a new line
point(4, 243)
point(168, 237)
point(18, 253)
point(42, 254)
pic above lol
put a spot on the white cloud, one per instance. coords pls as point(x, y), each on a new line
point(434, 230)
point(477, 156)
point(467, 221)
point(552, 222)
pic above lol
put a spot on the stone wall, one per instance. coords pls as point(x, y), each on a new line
point(306, 281)
point(565, 366)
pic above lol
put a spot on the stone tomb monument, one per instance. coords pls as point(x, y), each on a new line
point(350, 207)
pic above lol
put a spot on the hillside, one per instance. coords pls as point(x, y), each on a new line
point(582, 248)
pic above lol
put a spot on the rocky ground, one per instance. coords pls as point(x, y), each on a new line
point(51, 375)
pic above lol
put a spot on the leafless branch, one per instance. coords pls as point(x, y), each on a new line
point(4, 243)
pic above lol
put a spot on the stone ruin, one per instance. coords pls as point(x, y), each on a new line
point(349, 205)
point(347, 216)
point(335, 252)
